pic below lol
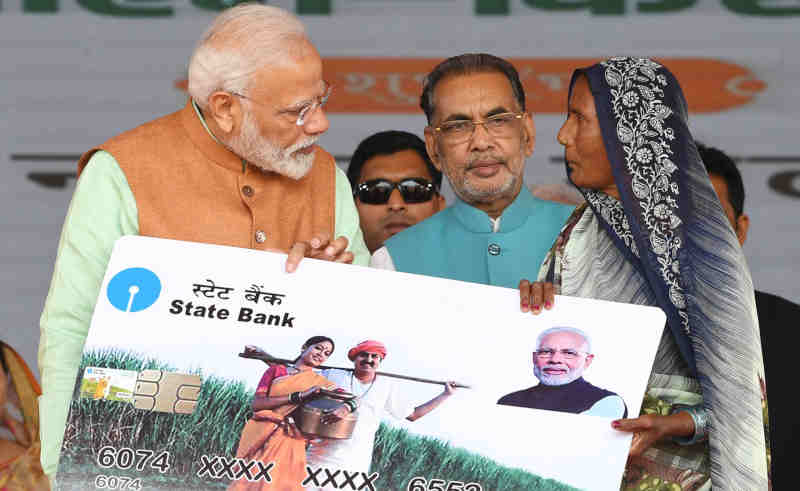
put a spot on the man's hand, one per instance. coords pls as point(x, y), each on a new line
point(449, 388)
point(334, 416)
point(319, 247)
point(534, 296)
point(650, 428)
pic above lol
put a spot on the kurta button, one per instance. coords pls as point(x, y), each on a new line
point(261, 237)
point(494, 249)
point(248, 191)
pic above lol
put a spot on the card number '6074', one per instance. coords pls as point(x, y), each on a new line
point(117, 482)
point(126, 458)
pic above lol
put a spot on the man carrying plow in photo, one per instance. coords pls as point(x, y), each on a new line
point(375, 396)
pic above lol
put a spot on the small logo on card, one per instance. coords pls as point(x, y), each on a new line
point(133, 289)
point(108, 383)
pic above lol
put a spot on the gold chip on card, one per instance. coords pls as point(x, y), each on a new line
point(166, 392)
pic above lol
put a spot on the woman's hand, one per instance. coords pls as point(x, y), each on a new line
point(310, 393)
point(650, 428)
point(535, 296)
point(262, 401)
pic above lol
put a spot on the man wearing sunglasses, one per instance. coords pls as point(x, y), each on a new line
point(237, 166)
point(562, 354)
point(394, 183)
point(479, 135)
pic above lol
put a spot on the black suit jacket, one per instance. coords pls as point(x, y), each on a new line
point(779, 322)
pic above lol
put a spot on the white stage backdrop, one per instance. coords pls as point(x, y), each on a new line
point(76, 72)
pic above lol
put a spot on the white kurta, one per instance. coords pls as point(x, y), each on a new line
point(374, 399)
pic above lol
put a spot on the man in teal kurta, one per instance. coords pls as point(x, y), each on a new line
point(479, 135)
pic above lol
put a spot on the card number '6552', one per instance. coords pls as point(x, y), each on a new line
point(420, 484)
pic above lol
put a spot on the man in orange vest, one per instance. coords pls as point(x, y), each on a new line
point(238, 166)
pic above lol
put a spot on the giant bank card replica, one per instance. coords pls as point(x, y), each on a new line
point(185, 337)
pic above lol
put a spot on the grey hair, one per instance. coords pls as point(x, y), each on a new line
point(573, 330)
point(240, 41)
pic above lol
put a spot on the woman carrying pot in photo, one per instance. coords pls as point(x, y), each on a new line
point(269, 436)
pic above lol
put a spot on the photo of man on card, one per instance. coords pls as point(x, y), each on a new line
point(376, 397)
point(562, 355)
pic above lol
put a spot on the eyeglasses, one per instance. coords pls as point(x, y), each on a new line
point(569, 354)
point(304, 111)
point(378, 191)
point(458, 131)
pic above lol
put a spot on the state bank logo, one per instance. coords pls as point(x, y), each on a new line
point(133, 289)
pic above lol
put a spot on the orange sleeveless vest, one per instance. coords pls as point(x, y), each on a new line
point(189, 187)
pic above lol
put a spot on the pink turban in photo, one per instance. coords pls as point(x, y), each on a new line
point(368, 346)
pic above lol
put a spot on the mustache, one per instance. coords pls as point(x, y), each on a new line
point(302, 145)
point(367, 362)
point(484, 157)
point(556, 366)
point(397, 217)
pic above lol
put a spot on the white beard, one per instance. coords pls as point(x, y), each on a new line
point(259, 151)
point(564, 379)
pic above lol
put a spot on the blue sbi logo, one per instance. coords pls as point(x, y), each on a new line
point(133, 289)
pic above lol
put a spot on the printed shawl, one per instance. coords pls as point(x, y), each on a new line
point(670, 226)
point(19, 417)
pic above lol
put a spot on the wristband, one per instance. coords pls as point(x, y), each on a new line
point(351, 403)
point(699, 417)
point(294, 398)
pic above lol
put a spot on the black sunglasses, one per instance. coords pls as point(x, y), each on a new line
point(377, 191)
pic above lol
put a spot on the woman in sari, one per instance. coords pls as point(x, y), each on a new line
point(270, 435)
point(652, 232)
point(19, 425)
